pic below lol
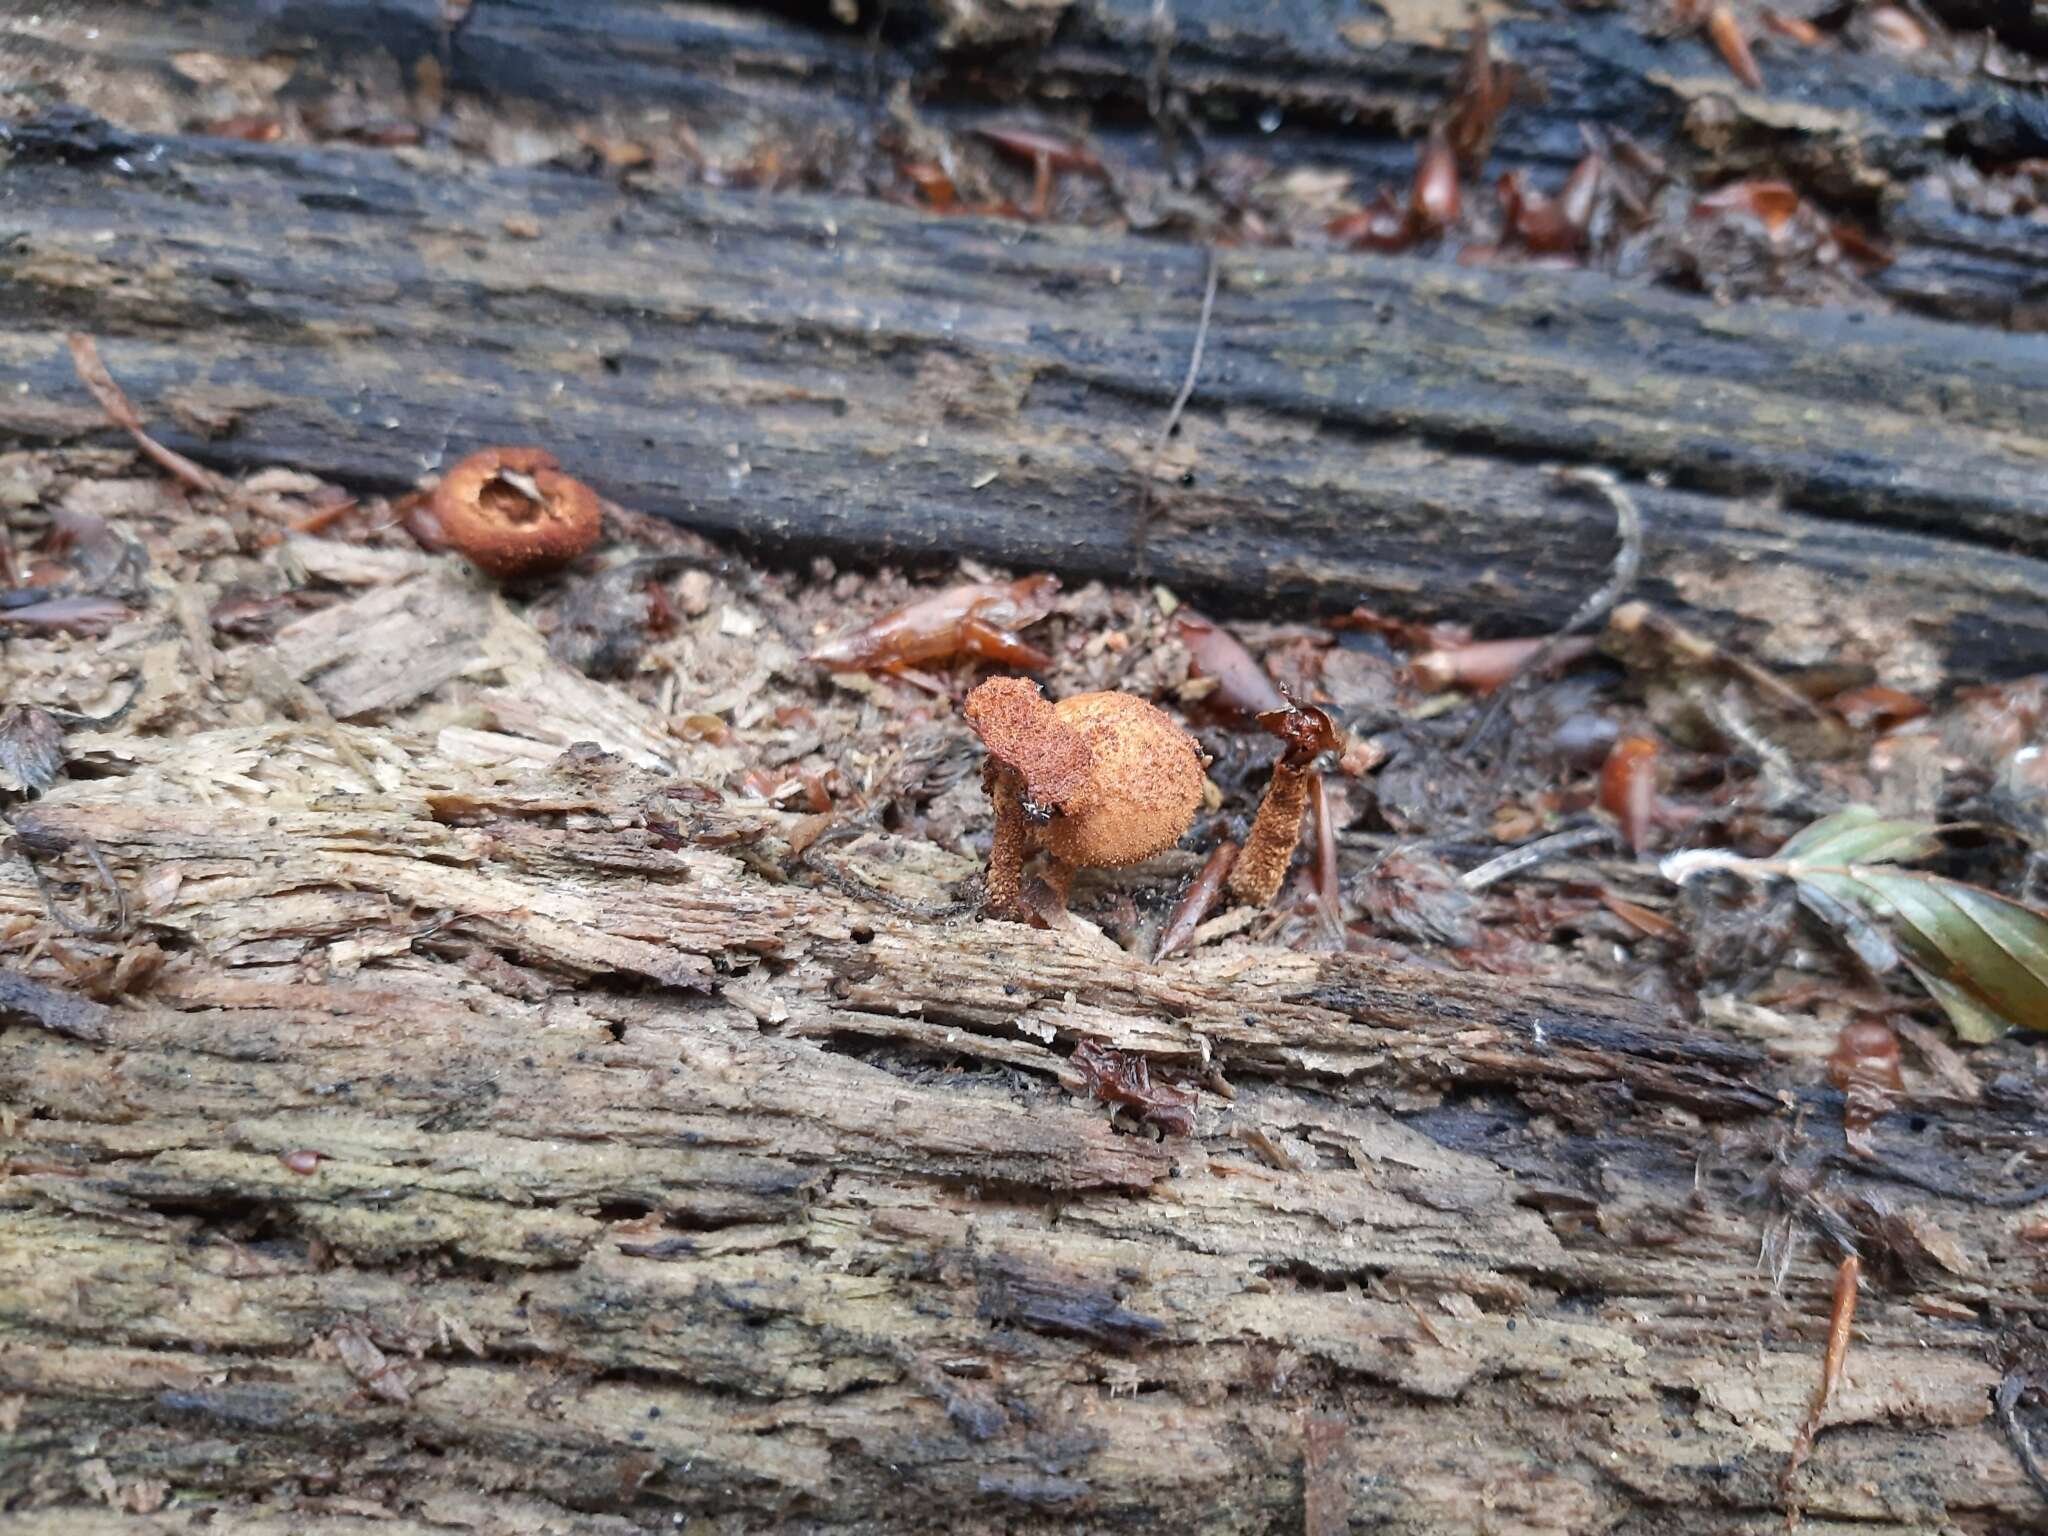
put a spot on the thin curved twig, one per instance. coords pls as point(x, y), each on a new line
point(1147, 502)
point(1621, 577)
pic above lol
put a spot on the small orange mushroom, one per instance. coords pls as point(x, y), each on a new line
point(1276, 830)
point(512, 512)
point(1096, 781)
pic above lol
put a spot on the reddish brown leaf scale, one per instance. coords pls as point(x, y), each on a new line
point(1383, 228)
point(1243, 687)
point(1642, 919)
point(1123, 1077)
point(1433, 203)
point(1485, 665)
point(495, 524)
point(1895, 31)
point(1201, 898)
point(1628, 787)
point(1552, 227)
point(1797, 28)
point(1772, 202)
point(1867, 1053)
point(977, 617)
point(1050, 149)
point(932, 183)
point(1581, 189)
point(255, 130)
point(1876, 707)
point(1860, 248)
point(1726, 32)
point(301, 1160)
point(1481, 94)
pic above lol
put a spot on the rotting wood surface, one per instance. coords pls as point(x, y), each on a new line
point(644, 1177)
point(474, 1141)
point(833, 373)
point(785, 1213)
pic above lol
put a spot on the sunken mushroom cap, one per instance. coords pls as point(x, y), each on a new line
point(1145, 783)
point(1026, 735)
point(500, 526)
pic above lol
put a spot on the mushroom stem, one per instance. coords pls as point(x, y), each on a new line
point(1009, 845)
point(1276, 832)
point(1059, 879)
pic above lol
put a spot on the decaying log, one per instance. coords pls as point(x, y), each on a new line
point(817, 374)
point(519, 1142)
point(840, 374)
point(1327, 87)
point(473, 1124)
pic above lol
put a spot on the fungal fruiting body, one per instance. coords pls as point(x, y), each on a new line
point(1096, 781)
point(513, 512)
point(1276, 831)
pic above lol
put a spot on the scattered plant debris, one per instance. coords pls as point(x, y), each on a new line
point(1198, 901)
point(978, 618)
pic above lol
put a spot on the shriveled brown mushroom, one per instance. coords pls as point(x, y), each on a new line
point(1276, 831)
point(513, 512)
point(1097, 781)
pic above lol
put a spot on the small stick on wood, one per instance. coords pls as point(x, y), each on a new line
point(1515, 860)
point(1848, 1281)
point(92, 373)
point(1212, 271)
point(2005, 1404)
point(1628, 561)
point(114, 926)
point(1199, 902)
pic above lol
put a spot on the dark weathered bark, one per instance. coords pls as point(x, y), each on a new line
point(1296, 85)
point(818, 374)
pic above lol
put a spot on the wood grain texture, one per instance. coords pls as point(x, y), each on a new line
point(646, 1183)
point(818, 372)
point(464, 1136)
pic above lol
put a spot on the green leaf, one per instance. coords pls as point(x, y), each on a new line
point(1982, 956)
point(1972, 1020)
point(1989, 953)
point(1860, 835)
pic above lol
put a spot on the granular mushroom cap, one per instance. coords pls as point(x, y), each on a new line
point(501, 525)
point(1026, 735)
point(1145, 782)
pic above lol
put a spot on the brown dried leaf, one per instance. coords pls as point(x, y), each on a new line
point(1123, 1077)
